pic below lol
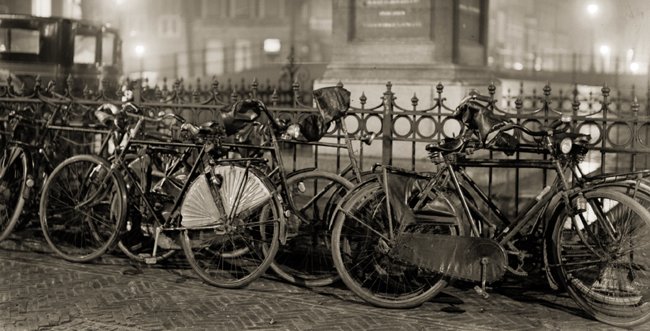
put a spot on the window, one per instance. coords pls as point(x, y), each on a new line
point(214, 57)
point(240, 8)
point(20, 41)
point(243, 58)
point(470, 20)
point(84, 49)
point(169, 25)
point(271, 8)
point(108, 49)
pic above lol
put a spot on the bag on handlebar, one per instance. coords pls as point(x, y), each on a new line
point(240, 115)
point(333, 103)
point(482, 122)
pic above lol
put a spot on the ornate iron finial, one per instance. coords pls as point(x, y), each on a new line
point(37, 84)
point(363, 98)
point(389, 86)
point(339, 84)
point(254, 84)
point(69, 83)
point(439, 88)
point(605, 90)
point(547, 90)
point(295, 86)
point(635, 105)
point(575, 105)
point(414, 100)
point(215, 84)
point(492, 89)
point(50, 86)
point(519, 104)
point(275, 97)
point(164, 85)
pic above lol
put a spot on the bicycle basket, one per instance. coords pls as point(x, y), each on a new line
point(333, 102)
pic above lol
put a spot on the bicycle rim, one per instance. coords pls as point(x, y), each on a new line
point(12, 189)
point(306, 259)
point(81, 209)
point(607, 274)
point(360, 251)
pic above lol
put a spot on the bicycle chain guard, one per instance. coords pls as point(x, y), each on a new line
point(453, 256)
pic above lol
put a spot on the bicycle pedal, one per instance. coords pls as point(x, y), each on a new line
point(482, 292)
point(150, 260)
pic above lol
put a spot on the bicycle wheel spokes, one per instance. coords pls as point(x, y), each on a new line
point(234, 255)
point(306, 259)
point(361, 254)
point(81, 209)
point(605, 261)
point(12, 187)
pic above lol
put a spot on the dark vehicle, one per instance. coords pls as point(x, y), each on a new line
point(55, 48)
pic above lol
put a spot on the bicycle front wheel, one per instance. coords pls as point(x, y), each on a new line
point(82, 208)
point(602, 258)
point(235, 253)
point(362, 238)
point(306, 259)
point(13, 183)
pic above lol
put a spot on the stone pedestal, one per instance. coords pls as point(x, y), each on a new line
point(414, 44)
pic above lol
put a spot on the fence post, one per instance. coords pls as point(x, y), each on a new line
point(387, 126)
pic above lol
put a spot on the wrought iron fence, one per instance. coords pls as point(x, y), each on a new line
point(619, 124)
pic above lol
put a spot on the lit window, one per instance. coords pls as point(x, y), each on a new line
point(20, 41)
point(84, 49)
point(272, 46)
point(214, 58)
point(243, 58)
point(169, 25)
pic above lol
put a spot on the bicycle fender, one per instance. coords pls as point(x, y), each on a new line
point(342, 203)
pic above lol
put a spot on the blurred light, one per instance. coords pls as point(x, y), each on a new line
point(604, 50)
point(139, 50)
point(518, 66)
point(592, 9)
point(272, 45)
point(634, 67)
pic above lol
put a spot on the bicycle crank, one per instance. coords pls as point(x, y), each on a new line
point(467, 258)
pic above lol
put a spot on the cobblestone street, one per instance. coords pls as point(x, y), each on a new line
point(41, 291)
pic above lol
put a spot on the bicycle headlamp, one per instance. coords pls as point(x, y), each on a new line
point(293, 131)
point(565, 145)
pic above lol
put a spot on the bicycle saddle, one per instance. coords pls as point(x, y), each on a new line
point(209, 128)
point(241, 114)
point(449, 145)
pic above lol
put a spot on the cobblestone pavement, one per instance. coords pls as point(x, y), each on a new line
point(39, 291)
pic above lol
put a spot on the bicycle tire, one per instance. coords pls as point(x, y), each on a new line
point(605, 277)
point(79, 233)
point(306, 258)
point(380, 280)
point(138, 241)
point(13, 185)
point(234, 260)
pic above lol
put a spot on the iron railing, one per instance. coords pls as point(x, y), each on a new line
point(619, 125)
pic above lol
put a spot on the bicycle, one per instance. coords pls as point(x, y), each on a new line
point(227, 213)
point(397, 245)
point(306, 258)
point(31, 148)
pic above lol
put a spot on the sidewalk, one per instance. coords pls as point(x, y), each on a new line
point(40, 291)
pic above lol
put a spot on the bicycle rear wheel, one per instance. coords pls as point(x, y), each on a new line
point(306, 259)
point(602, 258)
point(82, 208)
point(361, 243)
point(233, 253)
point(13, 183)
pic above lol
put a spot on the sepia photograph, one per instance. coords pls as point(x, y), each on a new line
point(324, 165)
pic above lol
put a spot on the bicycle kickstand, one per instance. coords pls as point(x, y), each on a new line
point(482, 290)
point(152, 258)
